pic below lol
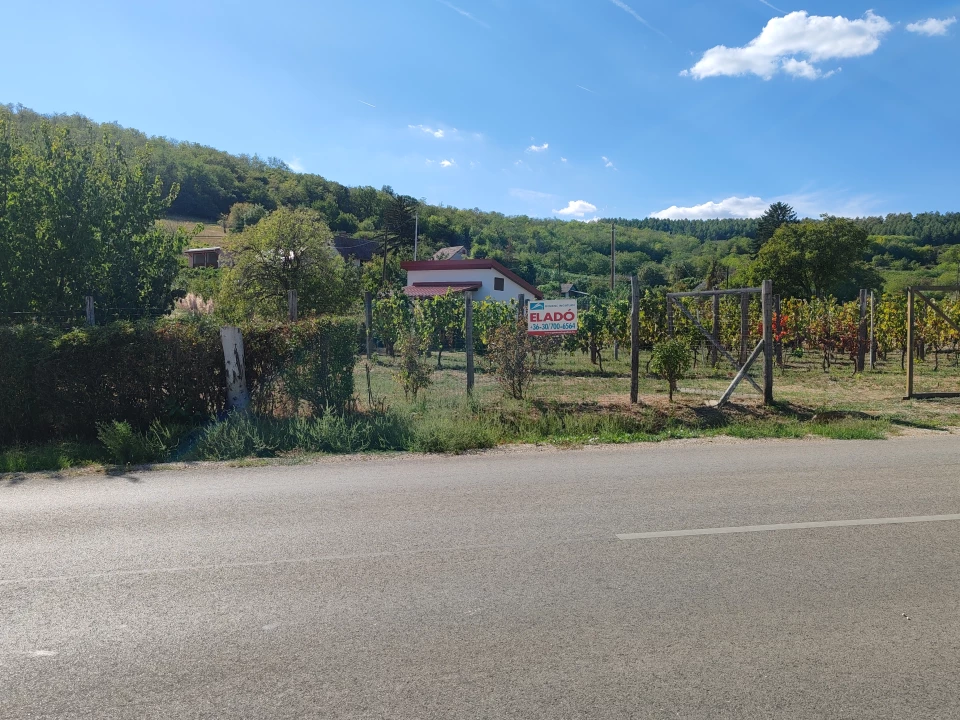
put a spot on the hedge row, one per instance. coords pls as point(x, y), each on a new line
point(56, 385)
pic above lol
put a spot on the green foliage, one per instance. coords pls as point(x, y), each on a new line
point(776, 215)
point(413, 372)
point(287, 250)
point(512, 357)
point(242, 435)
point(127, 446)
point(671, 359)
point(77, 218)
point(60, 385)
point(244, 215)
point(440, 321)
point(814, 258)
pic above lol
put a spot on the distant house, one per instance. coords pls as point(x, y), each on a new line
point(208, 257)
point(486, 278)
point(569, 289)
point(456, 252)
point(355, 249)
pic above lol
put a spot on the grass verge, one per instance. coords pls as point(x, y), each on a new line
point(452, 427)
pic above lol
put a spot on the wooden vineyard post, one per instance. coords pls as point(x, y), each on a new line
point(238, 397)
point(670, 318)
point(468, 337)
point(767, 302)
point(634, 339)
point(873, 332)
point(911, 318)
point(744, 327)
point(862, 333)
point(716, 330)
point(368, 321)
point(522, 310)
point(91, 313)
point(292, 305)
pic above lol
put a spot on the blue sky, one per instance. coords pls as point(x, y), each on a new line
point(564, 108)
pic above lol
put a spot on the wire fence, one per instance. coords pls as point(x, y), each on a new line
point(69, 319)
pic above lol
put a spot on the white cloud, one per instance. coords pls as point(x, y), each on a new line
point(448, 163)
point(427, 130)
point(429, 162)
point(538, 148)
point(463, 12)
point(607, 162)
point(626, 8)
point(732, 207)
point(837, 201)
point(529, 195)
point(563, 159)
point(577, 208)
point(931, 27)
point(813, 38)
point(296, 165)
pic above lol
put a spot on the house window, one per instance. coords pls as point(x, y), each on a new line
point(498, 283)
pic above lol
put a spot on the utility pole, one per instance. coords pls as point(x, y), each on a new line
point(416, 233)
point(613, 255)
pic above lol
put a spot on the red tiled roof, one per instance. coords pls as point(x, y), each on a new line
point(431, 289)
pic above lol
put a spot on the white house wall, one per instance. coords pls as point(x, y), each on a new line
point(511, 291)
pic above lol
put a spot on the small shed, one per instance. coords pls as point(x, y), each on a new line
point(207, 257)
point(455, 252)
point(569, 289)
point(357, 249)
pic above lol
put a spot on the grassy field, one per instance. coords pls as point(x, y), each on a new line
point(570, 403)
point(867, 404)
point(211, 235)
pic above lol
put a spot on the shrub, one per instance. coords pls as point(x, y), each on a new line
point(58, 385)
point(413, 372)
point(670, 361)
point(511, 353)
point(126, 446)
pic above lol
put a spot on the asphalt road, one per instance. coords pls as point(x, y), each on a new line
point(492, 586)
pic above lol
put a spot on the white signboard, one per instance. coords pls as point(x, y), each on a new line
point(552, 317)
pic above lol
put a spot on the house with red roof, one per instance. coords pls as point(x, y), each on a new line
point(485, 278)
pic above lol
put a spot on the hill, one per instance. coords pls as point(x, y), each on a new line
point(905, 247)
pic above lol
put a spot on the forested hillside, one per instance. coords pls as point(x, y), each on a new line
point(205, 184)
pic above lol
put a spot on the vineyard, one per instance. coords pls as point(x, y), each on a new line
point(803, 329)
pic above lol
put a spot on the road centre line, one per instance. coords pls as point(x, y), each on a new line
point(787, 526)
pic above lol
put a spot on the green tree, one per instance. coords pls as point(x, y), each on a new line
point(243, 215)
point(398, 227)
point(287, 250)
point(79, 218)
point(776, 215)
point(671, 359)
point(813, 258)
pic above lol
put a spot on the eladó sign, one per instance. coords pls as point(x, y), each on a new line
point(552, 317)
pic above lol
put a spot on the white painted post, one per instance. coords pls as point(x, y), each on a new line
point(238, 397)
point(91, 314)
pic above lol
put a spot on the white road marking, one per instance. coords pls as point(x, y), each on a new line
point(41, 653)
point(787, 526)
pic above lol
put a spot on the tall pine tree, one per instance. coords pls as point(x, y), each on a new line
point(776, 215)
